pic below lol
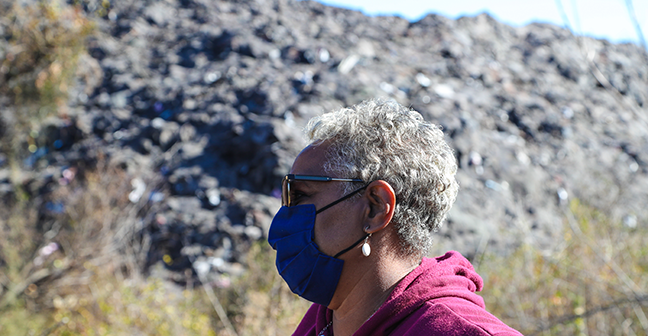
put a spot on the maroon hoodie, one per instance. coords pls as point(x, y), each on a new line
point(436, 298)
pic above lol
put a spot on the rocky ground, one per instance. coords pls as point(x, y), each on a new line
point(209, 97)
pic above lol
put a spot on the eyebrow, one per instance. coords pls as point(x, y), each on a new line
point(301, 184)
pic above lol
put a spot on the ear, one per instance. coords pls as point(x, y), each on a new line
point(381, 199)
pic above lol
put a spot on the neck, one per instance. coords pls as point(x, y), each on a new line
point(367, 294)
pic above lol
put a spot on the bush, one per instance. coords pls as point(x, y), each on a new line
point(71, 259)
point(593, 283)
point(72, 262)
point(71, 254)
point(260, 302)
point(43, 43)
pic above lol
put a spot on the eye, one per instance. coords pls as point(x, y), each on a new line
point(297, 196)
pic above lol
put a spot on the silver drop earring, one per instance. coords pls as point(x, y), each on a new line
point(366, 249)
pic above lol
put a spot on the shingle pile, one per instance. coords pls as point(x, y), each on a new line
point(210, 96)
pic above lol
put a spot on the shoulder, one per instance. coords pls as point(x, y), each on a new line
point(452, 317)
point(314, 319)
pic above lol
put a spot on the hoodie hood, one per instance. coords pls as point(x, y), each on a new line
point(450, 276)
point(435, 299)
point(449, 279)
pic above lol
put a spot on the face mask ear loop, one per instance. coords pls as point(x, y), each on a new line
point(340, 200)
point(352, 246)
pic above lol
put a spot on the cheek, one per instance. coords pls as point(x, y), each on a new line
point(323, 232)
point(334, 231)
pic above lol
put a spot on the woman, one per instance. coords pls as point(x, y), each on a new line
point(359, 208)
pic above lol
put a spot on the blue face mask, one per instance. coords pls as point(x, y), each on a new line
point(308, 272)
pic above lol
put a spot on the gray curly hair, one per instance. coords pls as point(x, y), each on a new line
point(383, 140)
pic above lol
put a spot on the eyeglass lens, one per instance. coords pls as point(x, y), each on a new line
point(285, 192)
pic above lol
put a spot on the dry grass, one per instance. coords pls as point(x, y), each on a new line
point(38, 63)
point(71, 263)
point(260, 302)
point(593, 283)
point(46, 40)
point(71, 252)
point(72, 256)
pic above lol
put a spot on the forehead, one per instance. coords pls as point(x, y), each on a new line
point(310, 161)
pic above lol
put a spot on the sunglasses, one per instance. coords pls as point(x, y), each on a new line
point(287, 197)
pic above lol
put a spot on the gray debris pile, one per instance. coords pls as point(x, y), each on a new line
point(211, 96)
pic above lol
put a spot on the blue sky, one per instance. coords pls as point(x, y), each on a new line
point(598, 18)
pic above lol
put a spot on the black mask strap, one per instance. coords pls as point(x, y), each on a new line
point(352, 246)
point(336, 202)
point(340, 200)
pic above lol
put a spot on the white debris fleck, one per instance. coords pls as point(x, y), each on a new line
point(423, 80)
point(274, 54)
point(158, 123)
point(630, 221)
point(213, 196)
point(387, 87)
point(253, 232)
point(304, 77)
point(201, 267)
point(189, 104)
point(217, 262)
point(545, 158)
point(348, 63)
point(324, 55)
point(289, 117)
point(365, 48)
point(523, 158)
point(490, 184)
point(475, 159)
point(444, 91)
point(211, 77)
point(48, 249)
point(138, 190)
point(567, 112)
point(156, 197)
point(118, 135)
point(562, 194)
